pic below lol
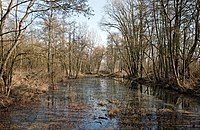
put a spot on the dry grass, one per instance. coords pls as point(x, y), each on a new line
point(26, 88)
point(113, 112)
point(29, 80)
point(5, 101)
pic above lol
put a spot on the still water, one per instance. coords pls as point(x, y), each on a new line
point(96, 103)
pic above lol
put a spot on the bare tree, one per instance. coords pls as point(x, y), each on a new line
point(25, 12)
point(161, 35)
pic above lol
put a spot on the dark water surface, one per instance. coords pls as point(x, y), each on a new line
point(94, 103)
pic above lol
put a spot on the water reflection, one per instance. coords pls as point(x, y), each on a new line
point(87, 103)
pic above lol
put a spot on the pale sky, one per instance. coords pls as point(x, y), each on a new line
point(93, 22)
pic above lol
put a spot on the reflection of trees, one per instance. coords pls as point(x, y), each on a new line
point(144, 105)
point(173, 98)
point(177, 100)
point(68, 105)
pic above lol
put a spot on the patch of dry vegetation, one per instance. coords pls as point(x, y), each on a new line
point(5, 101)
point(113, 108)
point(113, 112)
point(26, 88)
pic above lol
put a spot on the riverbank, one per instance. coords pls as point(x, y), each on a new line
point(26, 89)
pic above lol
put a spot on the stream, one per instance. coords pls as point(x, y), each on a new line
point(103, 103)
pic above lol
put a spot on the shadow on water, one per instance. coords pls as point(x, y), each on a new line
point(95, 103)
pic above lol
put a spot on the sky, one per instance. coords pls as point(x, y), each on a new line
point(93, 22)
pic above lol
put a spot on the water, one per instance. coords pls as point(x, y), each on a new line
point(88, 104)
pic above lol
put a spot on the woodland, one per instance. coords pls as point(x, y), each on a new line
point(147, 40)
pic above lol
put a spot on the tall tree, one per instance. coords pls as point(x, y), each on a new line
point(162, 35)
point(23, 19)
